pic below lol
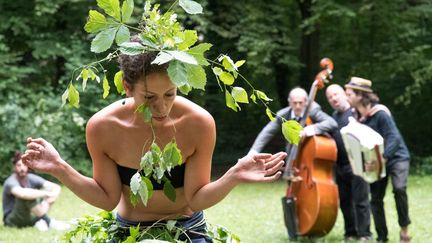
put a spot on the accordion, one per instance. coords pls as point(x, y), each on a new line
point(365, 149)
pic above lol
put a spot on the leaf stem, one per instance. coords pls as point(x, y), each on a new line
point(172, 5)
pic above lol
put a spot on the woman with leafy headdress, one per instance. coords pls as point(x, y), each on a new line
point(117, 136)
point(152, 151)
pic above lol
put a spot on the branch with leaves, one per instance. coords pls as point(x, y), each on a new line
point(162, 33)
point(103, 228)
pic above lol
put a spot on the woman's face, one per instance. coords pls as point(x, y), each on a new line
point(158, 92)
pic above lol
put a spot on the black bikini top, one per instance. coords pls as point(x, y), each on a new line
point(176, 176)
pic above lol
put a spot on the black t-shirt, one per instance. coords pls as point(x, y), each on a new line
point(342, 120)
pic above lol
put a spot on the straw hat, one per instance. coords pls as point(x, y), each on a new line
point(360, 84)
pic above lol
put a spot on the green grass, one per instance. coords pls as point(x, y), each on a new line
point(254, 213)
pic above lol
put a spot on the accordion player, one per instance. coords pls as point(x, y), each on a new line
point(365, 149)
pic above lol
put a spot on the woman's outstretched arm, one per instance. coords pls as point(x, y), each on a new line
point(102, 191)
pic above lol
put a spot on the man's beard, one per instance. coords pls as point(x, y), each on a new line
point(22, 174)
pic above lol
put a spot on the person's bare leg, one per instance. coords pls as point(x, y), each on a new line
point(404, 237)
point(41, 209)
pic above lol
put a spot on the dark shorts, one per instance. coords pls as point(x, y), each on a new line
point(21, 215)
point(192, 229)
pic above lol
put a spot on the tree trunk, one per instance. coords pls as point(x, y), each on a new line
point(282, 74)
point(309, 49)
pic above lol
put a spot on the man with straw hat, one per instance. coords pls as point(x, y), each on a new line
point(353, 189)
point(361, 97)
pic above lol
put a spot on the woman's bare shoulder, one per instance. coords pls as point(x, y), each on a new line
point(105, 118)
point(194, 115)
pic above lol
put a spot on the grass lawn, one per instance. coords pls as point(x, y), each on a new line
point(254, 213)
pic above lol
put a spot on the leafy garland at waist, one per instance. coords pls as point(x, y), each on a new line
point(178, 47)
point(103, 228)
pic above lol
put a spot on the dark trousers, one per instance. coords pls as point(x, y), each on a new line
point(354, 202)
point(399, 174)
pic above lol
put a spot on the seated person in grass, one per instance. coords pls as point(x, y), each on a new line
point(117, 138)
point(27, 199)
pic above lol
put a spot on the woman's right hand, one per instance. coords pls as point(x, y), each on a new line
point(259, 167)
point(41, 156)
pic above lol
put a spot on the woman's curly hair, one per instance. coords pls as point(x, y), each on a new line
point(136, 67)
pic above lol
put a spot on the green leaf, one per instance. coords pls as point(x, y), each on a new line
point(148, 185)
point(84, 75)
point(93, 75)
point(96, 22)
point(270, 114)
point(196, 76)
point(134, 231)
point(169, 191)
point(177, 73)
point(158, 173)
point(226, 78)
point(143, 190)
point(170, 224)
point(122, 35)
point(190, 37)
point(127, 10)
point(106, 215)
point(147, 7)
point(147, 114)
point(106, 87)
point(73, 96)
point(253, 98)
point(145, 110)
point(133, 199)
point(291, 131)
point(171, 154)
point(227, 63)
point(156, 151)
point(147, 42)
point(198, 53)
point(230, 102)
point(65, 95)
point(146, 163)
point(118, 78)
point(129, 239)
point(103, 40)
point(217, 70)
point(132, 48)
point(191, 7)
point(185, 89)
point(111, 7)
point(262, 96)
point(240, 95)
point(239, 63)
point(183, 57)
point(135, 183)
point(162, 57)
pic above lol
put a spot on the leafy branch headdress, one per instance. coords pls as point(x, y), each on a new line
point(177, 47)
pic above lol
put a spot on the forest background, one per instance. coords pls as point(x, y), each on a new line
point(42, 42)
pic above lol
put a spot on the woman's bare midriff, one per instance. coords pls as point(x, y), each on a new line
point(159, 207)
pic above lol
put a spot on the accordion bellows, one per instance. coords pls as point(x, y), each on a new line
point(363, 146)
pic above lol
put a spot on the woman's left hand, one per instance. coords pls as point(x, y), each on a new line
point(259, 167)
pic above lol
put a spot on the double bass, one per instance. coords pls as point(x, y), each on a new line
point(311, 202)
